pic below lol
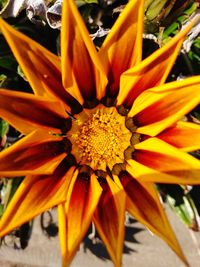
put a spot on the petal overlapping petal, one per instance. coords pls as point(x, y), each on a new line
point(40, 66)
point(75, 216)
point(158, 108)
point(183, 135)
point(35, 195)
point(82, 70)
point(37, 153)
point(157, 161)
point(83, 197)
point(27, 112)
point(152, 71)
point(143, 204)
point(109, 219)
point(122, 49)
point(21, 45)
point(51, 79)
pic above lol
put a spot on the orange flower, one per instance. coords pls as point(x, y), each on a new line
point(100, 129)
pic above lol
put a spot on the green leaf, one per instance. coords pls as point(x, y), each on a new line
point(8, 190)
point(3, 3)
point(3, 128)
point(1, 210)
point(2, 79)
point(194, 53)
point(154, 9)
point(174, 28)
point(15, 184)
point(80, 3)
point(185, 210)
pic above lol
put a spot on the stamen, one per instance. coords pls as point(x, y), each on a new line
point(100, 137)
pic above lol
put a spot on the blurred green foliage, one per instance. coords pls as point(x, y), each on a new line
point(3, 128)
point(3, 3)
point(180, 200)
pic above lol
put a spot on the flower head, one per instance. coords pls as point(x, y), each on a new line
point(100, 129)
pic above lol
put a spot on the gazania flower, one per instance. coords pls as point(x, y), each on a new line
point(100, 129)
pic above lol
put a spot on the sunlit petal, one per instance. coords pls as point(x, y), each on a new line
point(51, 80)
point(160, 107)
point(157, 161)
point(27, 112)
point(152, 71)
point(82, 70)
point(37, 153)
point(109, 219)
point(81, 135)
point(143, 204)
point(183, 135)
point(41, 67)
point(122, 48)
point(76, 215)
point(35, 195)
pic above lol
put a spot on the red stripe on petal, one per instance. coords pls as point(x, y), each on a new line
point(159, 108)
point(51, 78)
point(76, 215)
point(162, 158)
point(35, 195)
point(27, 112)
point(109, 219)
point(158, 161)
point(143, 203)
point(37, 153)
point(122, 48)
point(151, 72)
point(183, 135)
point(83, 73)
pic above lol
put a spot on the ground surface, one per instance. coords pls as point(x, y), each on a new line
point(141, 250)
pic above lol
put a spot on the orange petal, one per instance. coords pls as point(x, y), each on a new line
point(183, 135)
point(40, 66)
point(37, 153)
point(157, 161)
point(152, 71)
point(81, 67)
point(27, 112)
point(146, 174)
point(109, 219)
point(143, 204)
point(51, 79)
point(76, 215)
point(35, 195)
point(122, 49)
point(158, 108)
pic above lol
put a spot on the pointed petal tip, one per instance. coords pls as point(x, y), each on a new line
point(80, 77)
point(152, 71)
point(122, 48)
point(143, 203)
point(35, 195)
point(109, 219)
point(75, 216)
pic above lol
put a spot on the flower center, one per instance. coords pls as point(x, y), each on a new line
point(99, 137)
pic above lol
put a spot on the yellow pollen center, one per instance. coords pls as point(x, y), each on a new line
point(99, 137)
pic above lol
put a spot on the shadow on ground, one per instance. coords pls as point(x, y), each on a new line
point(93, 243)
